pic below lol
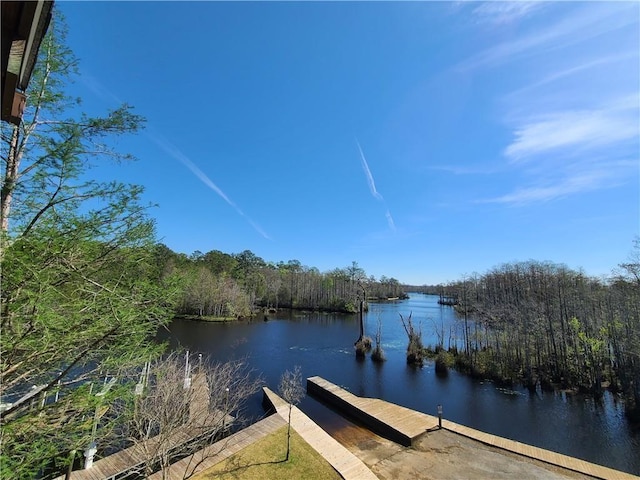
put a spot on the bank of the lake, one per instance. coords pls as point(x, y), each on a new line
point(322, 344)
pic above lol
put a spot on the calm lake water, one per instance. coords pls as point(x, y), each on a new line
point(322, 344)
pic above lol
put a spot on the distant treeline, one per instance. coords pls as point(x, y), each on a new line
point(426, 289)
point(233, 285)
point(545, 325)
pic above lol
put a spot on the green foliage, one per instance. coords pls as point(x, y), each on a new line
point(386, 288)
point(32, 443)
point(348, 307)
point(204, 294)
point(48, 155)
point(444, 361)
point(220, 284)
point(81, 293)
point(543, 324)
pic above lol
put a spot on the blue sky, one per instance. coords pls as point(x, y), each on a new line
point(424, 140)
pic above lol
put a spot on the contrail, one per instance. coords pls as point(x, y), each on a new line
point(99, 89)
point(182, 158)
point(392, 224)
point(367, 172)
point(106, 95)
point(372, 187)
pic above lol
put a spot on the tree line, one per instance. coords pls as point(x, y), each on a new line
point(226, 285)
point(544, 325)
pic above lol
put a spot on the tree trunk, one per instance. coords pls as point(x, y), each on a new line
point(10, 178)
point(288, 434)
point(361, 320)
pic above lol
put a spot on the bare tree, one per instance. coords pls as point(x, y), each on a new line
point(378, 353)
point(415, 349)
point(186, 406)
point(292, 391)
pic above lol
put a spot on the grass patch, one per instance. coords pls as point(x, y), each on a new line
point(264, 460)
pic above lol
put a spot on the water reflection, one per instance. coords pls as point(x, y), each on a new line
point(322, 344)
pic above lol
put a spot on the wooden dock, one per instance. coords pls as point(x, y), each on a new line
point(133, 459)
point(388, 419)
point(342, 460)
point(400, 424)
point(547, 456)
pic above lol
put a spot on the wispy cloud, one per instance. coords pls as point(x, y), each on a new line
point(463, 170)
point(574, 126)
point(372, 186)
point(590, 178)
point(630, 57)
point(182, 158)
point(593, 20)
point(579, 130)
point(569, 152)
point(504, 12)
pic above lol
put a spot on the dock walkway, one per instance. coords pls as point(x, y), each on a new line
point(547, 456)
point(342, 460)
point(390, 420)
point(400, 424)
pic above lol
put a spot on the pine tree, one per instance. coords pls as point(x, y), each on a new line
point(79, 297)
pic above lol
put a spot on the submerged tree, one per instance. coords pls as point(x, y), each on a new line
point(79, 294)
point(362, 346)
point(363, 343)
point(291, 390)
point(378, 353)
point(415, 349)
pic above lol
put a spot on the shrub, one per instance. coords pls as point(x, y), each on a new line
point(363, 345)
point(415, 349)
point(378, 354)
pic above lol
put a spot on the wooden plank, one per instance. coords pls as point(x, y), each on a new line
point(342, 460)
point(219, 451)
point(399, 424)
point(547, 456)
point(375, 412)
